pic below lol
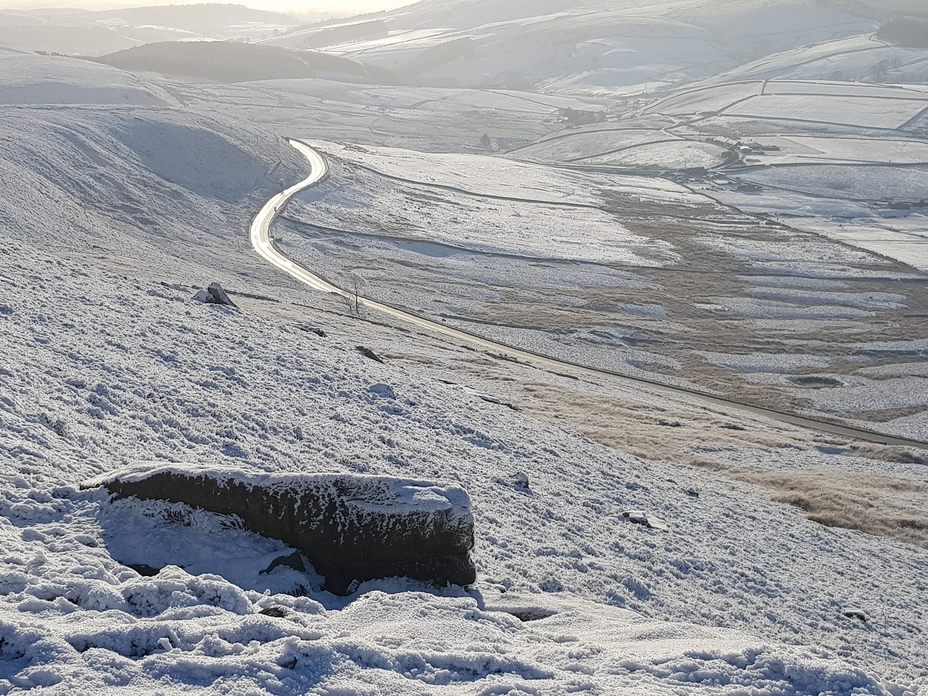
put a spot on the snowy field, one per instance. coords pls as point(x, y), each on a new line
point(844, 160)
point(854, 59)
point(505, 179)
point(861, 112)
point(421, 118)
point(457, 239)
point(660, 546)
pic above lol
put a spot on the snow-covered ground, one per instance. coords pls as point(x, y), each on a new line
point(549, 259)
point(118, 371)
point(855, 59)
point(844, 160)
point(429, 119)
point(116, 213)
point(592, 46)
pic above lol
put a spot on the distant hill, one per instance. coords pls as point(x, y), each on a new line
point(592, 45)
point(883, 9)
point(432, 14)
point(67, 40)
point(323, 34)
point(211, 20)
point(30, 79)
point(79, 32)
point(225, 61)
point(15, 18)
point(906, 32)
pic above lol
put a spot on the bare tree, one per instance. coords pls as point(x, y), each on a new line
point(357, 287)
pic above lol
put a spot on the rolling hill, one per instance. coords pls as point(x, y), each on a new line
point(225, 61)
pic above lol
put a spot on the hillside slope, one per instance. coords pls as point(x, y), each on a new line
point(95, 33)
point(231, 62)
point(116, 216)
point(590, 45)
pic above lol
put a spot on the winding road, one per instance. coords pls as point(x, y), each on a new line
point(261, 241)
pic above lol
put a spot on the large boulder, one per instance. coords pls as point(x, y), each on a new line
point(350, 527)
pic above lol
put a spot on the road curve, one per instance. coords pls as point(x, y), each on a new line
point(261, 226)
point(260, 239)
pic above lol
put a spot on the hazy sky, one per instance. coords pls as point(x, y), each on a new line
point(298, 6)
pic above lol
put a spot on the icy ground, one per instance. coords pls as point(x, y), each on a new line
point(113, 217)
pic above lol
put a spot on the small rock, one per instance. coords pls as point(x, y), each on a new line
point(531, 614)
point(639, 517)
point(384, 391)
point(489, 398)
point(204, 296)
point(521, 481)
point(854, 613)
point(493, 400)
point(219, 295)
point(275, 612)
point(368, 353)
point(312, 329)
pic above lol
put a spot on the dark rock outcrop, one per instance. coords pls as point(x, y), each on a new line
point(219, 295)
point(214, 294)
point(312, 329)
point(350, 527)
point(368, 353)
point(640, 517)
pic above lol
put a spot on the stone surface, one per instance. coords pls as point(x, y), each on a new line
point(368, 353)
point(350, 527)
point(203, 295)
point(219, 295)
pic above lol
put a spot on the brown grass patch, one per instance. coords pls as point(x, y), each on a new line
point(881, 505)
point(895, 455)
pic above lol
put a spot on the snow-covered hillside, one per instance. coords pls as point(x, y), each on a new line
point(93, 33)
point(590, 46)
point(123, 370)
point(599, 571)
point(40, 80)
point(854, 59)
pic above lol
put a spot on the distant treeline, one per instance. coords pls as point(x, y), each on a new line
point(905, 32)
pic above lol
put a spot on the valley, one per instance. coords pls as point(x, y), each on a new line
point(568, 258)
